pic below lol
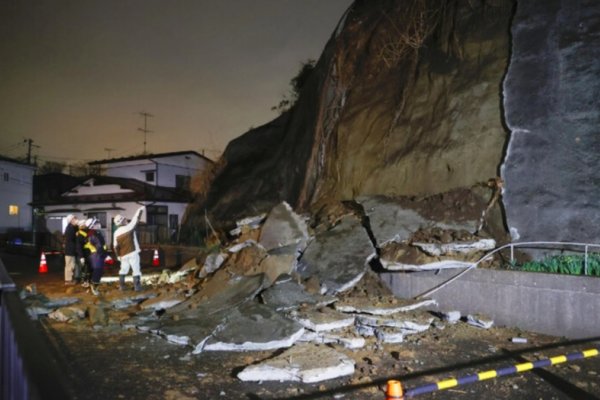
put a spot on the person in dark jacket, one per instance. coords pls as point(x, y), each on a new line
point(83, 253)
point(70, 246)
point(97, 247)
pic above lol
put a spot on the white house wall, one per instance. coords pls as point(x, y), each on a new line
point(16, 188)
point(165, 168)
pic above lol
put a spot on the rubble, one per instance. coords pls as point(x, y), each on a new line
point(278, 288)
point(248, 223)
point(163, 301)
point(349, 338)
point(479, 321)
point(386, 307)
point(441, 249)
point(254, 327)
point(322, 319)
point(282, 228)
point(336, 265)
point(434, 266)
point(304, 363)
point(290, 295)
point(66, 314)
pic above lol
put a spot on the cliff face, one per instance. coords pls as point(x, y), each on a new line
point(552, 93)
point(405, 100)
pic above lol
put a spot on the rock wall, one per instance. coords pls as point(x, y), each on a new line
point(551, 101)
point(405, 100)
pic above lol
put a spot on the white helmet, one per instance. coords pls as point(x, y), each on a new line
point(119, 219)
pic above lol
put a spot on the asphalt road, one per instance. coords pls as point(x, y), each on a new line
point(111, 363)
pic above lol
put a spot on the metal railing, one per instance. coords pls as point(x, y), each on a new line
point(560, 245)
point(511, 246)
point(27, 368)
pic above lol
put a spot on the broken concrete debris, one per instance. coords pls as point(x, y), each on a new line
point(306, 363)
point(479, 321)
point(212, 263)
point(283, 227)
point(254, 326)
point(322, 319)
point(336, 265)
point(385, 307)
point(442, 249)
point(66, 314)
point(434, 266)
point(249, 223)
point(278, 288)
point(292, 295)
point(451, 317)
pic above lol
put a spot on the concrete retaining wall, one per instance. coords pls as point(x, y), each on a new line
point(557, 305)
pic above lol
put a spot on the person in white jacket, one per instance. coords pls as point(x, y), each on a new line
point(127, 249)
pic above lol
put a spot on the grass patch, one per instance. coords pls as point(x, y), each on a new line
point(564, 264)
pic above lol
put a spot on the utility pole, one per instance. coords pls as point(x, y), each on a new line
point(29, 146)
point(145, 129)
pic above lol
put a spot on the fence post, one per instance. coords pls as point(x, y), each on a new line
point(585, 269)
point(512, 253)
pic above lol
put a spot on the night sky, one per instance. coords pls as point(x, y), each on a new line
point(75, 73)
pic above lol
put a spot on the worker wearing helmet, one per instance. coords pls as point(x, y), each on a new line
point(97, 247)
point(127, 249)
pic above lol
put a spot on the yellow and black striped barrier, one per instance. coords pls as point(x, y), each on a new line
point(395, 391)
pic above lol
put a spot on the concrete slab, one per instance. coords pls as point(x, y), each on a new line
point(337, 265)
point(283, 227)
point(385, 306)
point(434, 266)
point(323, 319)
point(237, 291)
point(192, 332)
point(303, 363)
point(163, 301)
point(406, 322)
point(345, 337)
point(248, 223)
point(391, 221)
point(212, 263)
point(254, 326)
point(290, 295)
point(282, 260)
point(441, 249)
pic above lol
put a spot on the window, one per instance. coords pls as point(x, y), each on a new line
point(100, 216)
point(182, 182)
point(173, 221)
point(149, 176)
point(13, 209)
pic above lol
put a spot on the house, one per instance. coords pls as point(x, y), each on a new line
point(172, 170)
point(16, 193)
point(120, 186)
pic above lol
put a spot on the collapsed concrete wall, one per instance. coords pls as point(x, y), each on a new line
point(551, 97)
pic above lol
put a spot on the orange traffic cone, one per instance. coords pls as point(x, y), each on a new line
point(43, 266)
point(394, 391)
point(155, 259)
